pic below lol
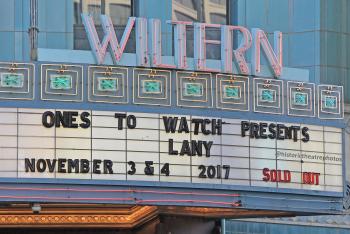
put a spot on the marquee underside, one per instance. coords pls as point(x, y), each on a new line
point(200, 201)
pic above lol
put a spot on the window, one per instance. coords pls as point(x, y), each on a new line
point(95, 11)
point(118, 10)
point(217, 18)
point(207, 11)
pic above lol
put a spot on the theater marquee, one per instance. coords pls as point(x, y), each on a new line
point(102, 145)
point(143, 128)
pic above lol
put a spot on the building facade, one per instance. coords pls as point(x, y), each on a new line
point(317, 38)
point(88, 142)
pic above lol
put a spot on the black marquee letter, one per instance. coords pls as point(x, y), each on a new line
point(44, 121)
point(306, 135)
point(84, 118)
point(29, 164)
point(84, 166)
point(244, 128)
point(131, 121)
point(41, 165)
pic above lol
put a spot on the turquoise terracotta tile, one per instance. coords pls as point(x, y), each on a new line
point(69, 16)
point(240, 13)
point(18, 46)
point(42, 15)
point(256, 13)
point(302, 49)
point(347, 9)
point(303, 15)
point(56, 16)
point(69, 41)
point(56, 40)
point(335, 76)
point(332, 46)
point(334, 15)
point(19, 15)
point(42, 43)
point(7, 46)
point(25, 14)
point(7, 17)
point(257, 228)
point(26, 46)
point(278, 16)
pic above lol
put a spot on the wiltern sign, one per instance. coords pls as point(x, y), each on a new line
point(149, 54)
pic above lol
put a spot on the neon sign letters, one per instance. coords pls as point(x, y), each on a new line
point(149, 46)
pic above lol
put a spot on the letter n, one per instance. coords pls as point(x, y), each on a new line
point(274, 57)
point(29, 164)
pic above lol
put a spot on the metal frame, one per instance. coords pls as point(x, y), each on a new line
point(32, 65)
point(179, 89)
point(91, 85)
point(279, 96)
point(219, 92)
point(43, 90)
point(312, 97)
point(167, 89)
point(27, 71)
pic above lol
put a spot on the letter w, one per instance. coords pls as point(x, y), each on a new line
point(99, 49)
point(170, 124)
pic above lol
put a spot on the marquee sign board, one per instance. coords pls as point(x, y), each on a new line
point(185, 130)
point(120, 146)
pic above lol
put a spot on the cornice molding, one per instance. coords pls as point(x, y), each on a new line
point(138, 217)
